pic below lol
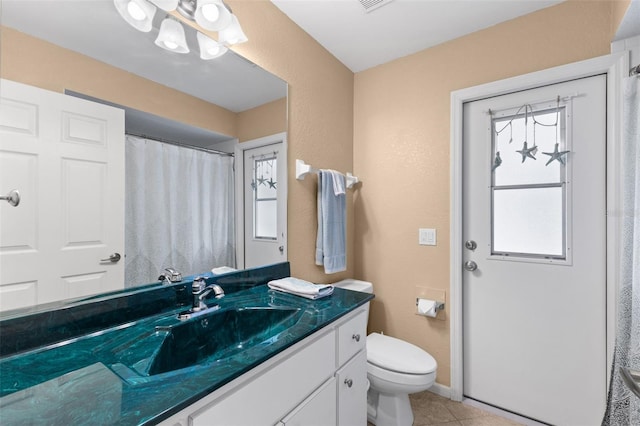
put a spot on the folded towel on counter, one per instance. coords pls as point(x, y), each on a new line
point(331, 240)
point(222, 270)
point(301, 287)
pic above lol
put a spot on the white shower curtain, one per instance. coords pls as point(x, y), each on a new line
point(179, 210)
point(623, 407)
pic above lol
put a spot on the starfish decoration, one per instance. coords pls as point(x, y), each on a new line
point(556, 155)
point(528, 152)
point(497, 161)
point(261, 180)
point(271, 183)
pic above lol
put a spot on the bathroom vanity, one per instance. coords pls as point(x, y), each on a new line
point(321, 380)
point(261, 357)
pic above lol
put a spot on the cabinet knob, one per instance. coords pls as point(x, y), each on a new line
point(356, 337)
point(348, 382)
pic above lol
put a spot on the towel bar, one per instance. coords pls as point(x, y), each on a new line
point(303, 169)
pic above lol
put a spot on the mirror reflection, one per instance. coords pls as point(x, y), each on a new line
point(184, 198)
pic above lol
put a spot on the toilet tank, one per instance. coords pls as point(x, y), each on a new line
point(356, 285)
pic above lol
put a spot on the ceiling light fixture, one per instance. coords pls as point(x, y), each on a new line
point(211, 15)
point(232, 34)
point(171, 36)
point(209, 48)
point(137, 13)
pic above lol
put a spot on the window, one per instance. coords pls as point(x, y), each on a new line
point(265, 192)
point(529, 183)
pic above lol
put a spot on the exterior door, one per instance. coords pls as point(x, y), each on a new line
point(534, 295)
point(66, 158)
point(264, 206)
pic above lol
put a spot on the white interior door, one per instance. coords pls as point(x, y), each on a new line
point(66, 157)
point(534, 285)
point(265, 205)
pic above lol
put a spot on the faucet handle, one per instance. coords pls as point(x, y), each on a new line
point(173, 275)
point(198, 285)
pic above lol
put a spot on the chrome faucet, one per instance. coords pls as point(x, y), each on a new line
point(200, 290)
point(170, 276)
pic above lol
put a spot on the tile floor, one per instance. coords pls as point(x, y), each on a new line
point(430, 409)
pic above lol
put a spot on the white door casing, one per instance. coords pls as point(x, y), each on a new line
point(534, 324)
point(614, 66)
point(66, 157)
point(252, 251)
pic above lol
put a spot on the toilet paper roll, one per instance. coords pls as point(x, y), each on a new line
point(427, 307)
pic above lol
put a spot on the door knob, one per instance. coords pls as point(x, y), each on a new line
point(113, 258)
point(13, 197)
point(470, 265)
point(281, 248)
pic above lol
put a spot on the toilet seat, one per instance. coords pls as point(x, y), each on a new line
point(395, 355)
point(404, 379)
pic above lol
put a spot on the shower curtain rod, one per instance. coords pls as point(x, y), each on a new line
point(183, 145)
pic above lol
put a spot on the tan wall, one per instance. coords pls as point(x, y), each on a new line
point(38, 63)
point(265, 120)
point(401, 146)
point(320, 120)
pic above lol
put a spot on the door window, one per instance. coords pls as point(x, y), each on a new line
point(529, 188)
point(264, 183)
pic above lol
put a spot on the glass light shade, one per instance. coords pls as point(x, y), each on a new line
point(171, 36)
point(212, 15)
point(137, 13)
point(233, 34)
point(209, 48)
point(166, 5)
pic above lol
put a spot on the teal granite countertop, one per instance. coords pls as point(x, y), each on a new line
point(134, 372)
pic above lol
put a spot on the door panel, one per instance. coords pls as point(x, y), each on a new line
point(534, 324)
point(66, 157)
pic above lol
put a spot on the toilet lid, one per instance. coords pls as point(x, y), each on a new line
point(397, 355)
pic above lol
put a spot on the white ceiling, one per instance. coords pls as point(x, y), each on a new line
point(361, 39)
point(630, 25)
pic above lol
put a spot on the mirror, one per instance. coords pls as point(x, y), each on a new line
point(168, 96)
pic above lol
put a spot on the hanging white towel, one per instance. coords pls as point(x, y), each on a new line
point(331, 241)
point(301, 287)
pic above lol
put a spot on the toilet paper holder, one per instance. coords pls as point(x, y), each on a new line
point(434, 305)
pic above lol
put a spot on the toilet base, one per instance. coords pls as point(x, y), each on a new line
point(388, 410)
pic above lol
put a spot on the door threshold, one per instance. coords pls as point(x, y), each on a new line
point(502, 413)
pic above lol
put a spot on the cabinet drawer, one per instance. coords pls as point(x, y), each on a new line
point(351, 381)
point(352, 337)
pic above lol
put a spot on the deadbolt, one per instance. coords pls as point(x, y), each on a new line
point(470, 244)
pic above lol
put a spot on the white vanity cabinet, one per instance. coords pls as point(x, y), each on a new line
point(321, 380)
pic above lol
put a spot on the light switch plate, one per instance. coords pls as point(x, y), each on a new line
point(427, 237)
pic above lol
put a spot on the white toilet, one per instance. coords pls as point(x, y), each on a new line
point(395, 369)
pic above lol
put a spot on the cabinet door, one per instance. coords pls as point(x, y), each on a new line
point(352, 337)
point(317, 410)
point(352, 391)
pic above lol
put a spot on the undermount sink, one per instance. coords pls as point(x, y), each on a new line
point(216, 335)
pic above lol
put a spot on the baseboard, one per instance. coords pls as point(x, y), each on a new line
point(442, 390)
point(502, 413)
